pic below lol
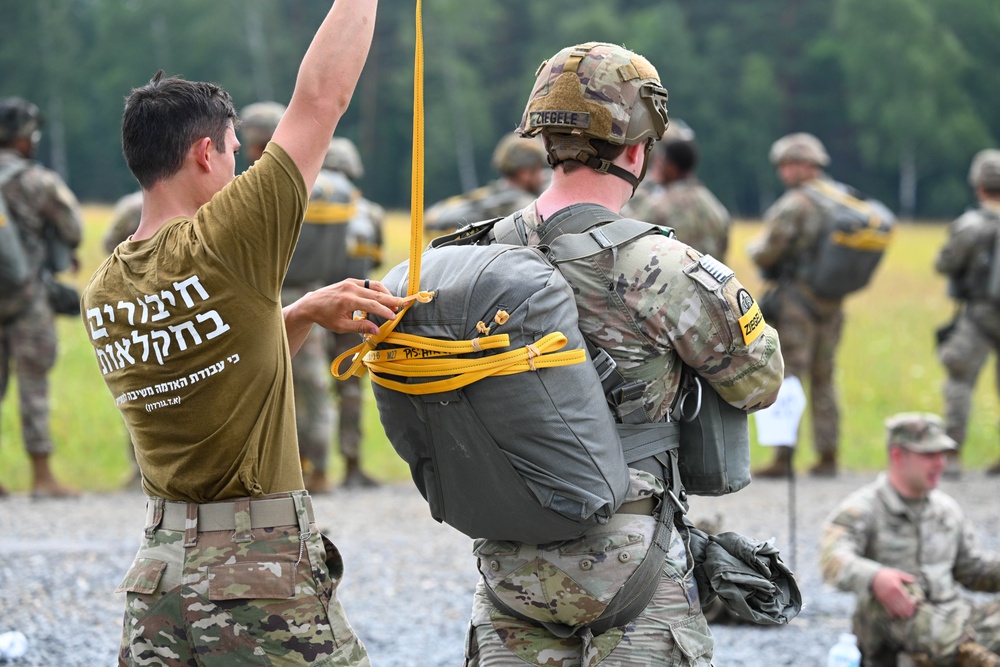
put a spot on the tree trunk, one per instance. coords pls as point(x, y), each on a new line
point(54, 119)
point(907, 181)
point(257, 45)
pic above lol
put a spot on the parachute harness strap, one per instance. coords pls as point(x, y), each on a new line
point(422, 357)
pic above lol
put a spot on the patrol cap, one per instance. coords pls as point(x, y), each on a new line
point(259, 121)
point(19, 118)
point(799, 147)
point(919, 432)
point(985, 169)
point(514, 152)
point(342, 155)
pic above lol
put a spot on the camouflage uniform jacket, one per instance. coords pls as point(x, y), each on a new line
point(874, 528)
point(696, 216)
point(793, 227)
point(124, 221)
point(40, 204)
point(498, 199)
point(667, 306)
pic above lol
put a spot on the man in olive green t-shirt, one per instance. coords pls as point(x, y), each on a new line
point(193, 343)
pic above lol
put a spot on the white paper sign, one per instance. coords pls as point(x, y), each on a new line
point(778, 425)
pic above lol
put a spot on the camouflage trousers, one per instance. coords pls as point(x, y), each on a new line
point(28, 346)
point(250, 594)
point(349, 398)
point(809, 347)
point(570, 583)
point(311, 380)
point(963, 355)
point(936, 629)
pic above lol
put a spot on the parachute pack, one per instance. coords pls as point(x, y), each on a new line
point(15, 272)
point(852, 245)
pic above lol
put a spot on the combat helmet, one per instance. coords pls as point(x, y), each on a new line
point(19, 118)
point(985, 170)
point(259, 121)
point(799, 147)
point(342, 155)
point(514, 152)
point(595, 91)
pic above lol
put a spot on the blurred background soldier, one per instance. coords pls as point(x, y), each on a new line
point(679, 200)
point(320, 259)
point(44, 220)
point(809, 326)
point(523, 172)
point(124, 220)
point(903, 547)
point(970, 260)
point(364, 254)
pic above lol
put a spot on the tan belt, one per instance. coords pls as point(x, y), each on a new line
point(264, 513)
point(645, 507)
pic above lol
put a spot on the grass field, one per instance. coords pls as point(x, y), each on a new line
point(886, 364)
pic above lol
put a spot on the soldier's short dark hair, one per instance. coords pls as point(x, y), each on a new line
point(681, 154)
point(163, 118)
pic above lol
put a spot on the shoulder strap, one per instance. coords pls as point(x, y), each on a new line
point(570, 247)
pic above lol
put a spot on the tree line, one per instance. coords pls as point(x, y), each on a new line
point(902, 92)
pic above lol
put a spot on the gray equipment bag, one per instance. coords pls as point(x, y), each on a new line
point(15, 272)
point(714, 445)
point(852, 246)
point(530, 457)
point(993, 280)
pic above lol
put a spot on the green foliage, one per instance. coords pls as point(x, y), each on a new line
point(877, 81)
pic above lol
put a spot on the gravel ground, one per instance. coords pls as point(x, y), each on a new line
point(60, 562)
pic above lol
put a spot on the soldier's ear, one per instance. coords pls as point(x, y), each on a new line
point(201, 151)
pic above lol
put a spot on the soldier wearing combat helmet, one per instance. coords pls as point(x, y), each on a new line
point(364, 254)
point(968, 258)
point(599, 108)
point(523, 175)
point(677, 199)
point(906, 550)
point(809, 325)
point(46, 219)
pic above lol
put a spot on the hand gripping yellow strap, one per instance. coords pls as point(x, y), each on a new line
point(417, 356)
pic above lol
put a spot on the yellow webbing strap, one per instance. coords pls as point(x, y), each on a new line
point(417, 356)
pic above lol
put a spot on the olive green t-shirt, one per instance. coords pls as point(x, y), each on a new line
point(189, 336)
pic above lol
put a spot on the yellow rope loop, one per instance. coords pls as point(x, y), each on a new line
point(482, 328)
point(501, 317)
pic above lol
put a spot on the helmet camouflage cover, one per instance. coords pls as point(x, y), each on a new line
point(799, 147)
point(19, 118)
point(599, 91)
point(985, 169)
point(514, 152)
point(259, 120)
point(342, 155)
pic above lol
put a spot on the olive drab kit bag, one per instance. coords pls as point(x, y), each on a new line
point(15, 272)
point(853, 244)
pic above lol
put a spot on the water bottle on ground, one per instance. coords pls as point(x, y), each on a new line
point(13, 645)
point(845, 652)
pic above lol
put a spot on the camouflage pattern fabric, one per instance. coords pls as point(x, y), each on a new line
point(933, 541)
point(572, 582)
point(348, 393)
point(311, 380)
point(38, 202)
point(666, 305)
point(696, 216)
point(204, 599)
point(809, 326)
point(124, 220)
point(966, 258)
point(498, 199)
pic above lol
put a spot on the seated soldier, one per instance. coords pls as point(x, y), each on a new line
point(904, 547)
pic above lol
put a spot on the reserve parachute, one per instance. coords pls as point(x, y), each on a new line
point(853, 243)
point(15, 271)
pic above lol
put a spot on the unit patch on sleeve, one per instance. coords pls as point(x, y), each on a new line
point(751, 319)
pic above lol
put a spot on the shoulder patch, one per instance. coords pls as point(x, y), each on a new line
point(751, 319)
point(717, 269)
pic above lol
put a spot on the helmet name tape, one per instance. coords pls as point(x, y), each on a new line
point(574, 119)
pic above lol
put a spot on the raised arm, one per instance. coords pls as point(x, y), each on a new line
point(326, 80)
